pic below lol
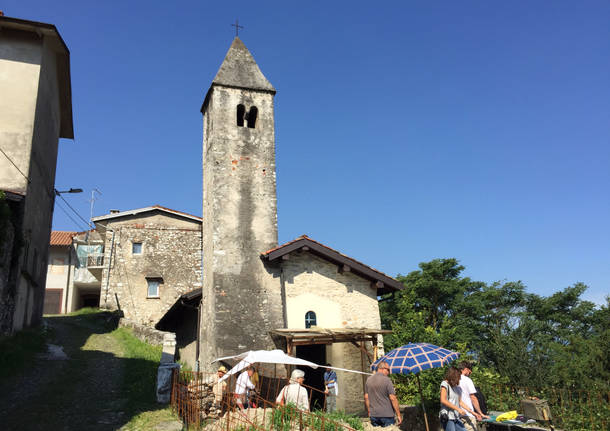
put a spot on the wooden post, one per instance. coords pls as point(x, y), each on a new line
point(421, 395)
point(375, 343)
point(362, 369)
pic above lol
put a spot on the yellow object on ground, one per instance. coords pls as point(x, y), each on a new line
point(507, 416)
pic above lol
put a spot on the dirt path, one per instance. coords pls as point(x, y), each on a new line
point(82, 391)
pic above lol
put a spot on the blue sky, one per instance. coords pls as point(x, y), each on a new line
point(405, 131)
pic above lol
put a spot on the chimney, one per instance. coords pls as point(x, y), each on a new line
point(114, 211)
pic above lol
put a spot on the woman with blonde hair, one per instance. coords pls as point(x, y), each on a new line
point(452, 406)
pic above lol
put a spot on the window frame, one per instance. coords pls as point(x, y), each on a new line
point(133, 243)
point(309, 320)
point(149, 282)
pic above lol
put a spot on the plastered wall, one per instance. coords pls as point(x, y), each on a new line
point(339, 301)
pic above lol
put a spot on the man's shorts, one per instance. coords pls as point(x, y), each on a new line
point(382, 422)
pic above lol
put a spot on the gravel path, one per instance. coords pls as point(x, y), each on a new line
point(76, 392)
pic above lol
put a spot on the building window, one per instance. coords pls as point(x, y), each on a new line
point(57, 265)
point(153, 287)
point(252, 117)
point(136, 248)
point(310, 319)
point(241, 113)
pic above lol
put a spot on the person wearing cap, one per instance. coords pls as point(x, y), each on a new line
point(294, 392)
point(380, 398)
point(219, 388)
point(331, 389)
point(468, 397)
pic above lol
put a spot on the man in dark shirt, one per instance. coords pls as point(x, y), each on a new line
point(380, 398)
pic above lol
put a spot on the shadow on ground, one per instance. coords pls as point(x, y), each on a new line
point(96, 388)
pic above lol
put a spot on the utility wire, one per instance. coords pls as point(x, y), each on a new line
point(70, 217)
point(75, 212)
point(16, 167)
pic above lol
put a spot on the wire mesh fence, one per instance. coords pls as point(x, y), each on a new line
point(201, 405)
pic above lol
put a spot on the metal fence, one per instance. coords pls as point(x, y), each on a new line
point(193, 400)
point(95, 260)
point(570, 409)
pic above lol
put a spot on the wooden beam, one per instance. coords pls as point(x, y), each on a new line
point(343, 268)
point(305, 248)
point(286, 257)
point(377, 285)
point(375, 352)
point(363, 349)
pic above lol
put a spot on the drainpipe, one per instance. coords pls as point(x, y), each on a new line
point(108, 275)
point(197, 348)
point(198, 337)
point(283, 295)
point(68, 279)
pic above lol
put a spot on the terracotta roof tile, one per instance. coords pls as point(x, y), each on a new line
point(59, 237)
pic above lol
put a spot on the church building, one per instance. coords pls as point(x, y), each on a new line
point(303, 297)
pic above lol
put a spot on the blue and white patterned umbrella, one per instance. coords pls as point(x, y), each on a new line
point(416, 357)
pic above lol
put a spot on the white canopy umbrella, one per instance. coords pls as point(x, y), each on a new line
point(265, 356)
point(270, 357)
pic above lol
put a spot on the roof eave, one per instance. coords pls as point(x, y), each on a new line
point(130, 213)
point(389, 284)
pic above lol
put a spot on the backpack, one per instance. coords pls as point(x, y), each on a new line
point(482, 400)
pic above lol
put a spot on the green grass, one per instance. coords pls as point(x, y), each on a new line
point(141, 372)
point(285, 417)
point(150, 419)
point(340, 416)
point(140, 382)
point(18, 352)
point(86, 311)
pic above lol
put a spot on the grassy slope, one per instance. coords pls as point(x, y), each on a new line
point(140, 381)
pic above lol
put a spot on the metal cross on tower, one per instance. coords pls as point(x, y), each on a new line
point(237, 27)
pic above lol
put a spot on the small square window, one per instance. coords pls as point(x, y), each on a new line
point(153, 287)
point(136, 248)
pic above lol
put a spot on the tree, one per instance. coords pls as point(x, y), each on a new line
point(531, 340)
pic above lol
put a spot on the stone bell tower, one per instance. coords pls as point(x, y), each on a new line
point(241, 297)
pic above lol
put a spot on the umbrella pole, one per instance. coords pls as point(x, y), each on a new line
point(422, 402)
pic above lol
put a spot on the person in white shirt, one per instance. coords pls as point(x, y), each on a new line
point(242, 386)
point(293, 392)
point(469, 398)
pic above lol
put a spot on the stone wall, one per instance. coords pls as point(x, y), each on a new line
point(170, 254)
point(242, 297)
point(145, 333)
